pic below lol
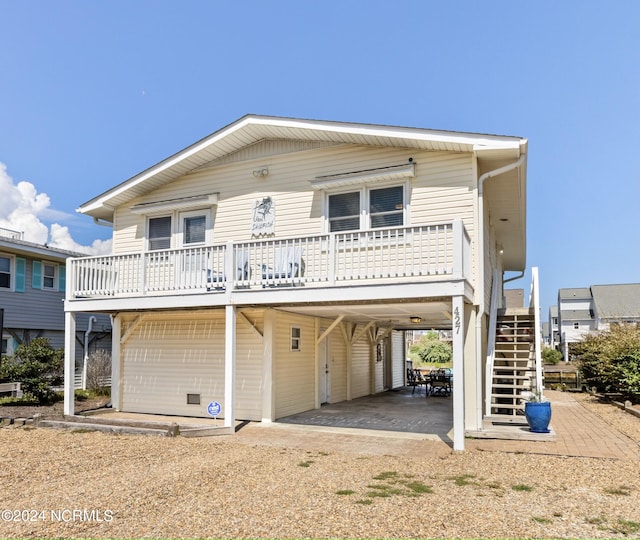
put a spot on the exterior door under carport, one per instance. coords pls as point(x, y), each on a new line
point(324, 373)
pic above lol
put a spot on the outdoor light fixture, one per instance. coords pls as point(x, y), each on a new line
point(261, 173)
point(415, 319)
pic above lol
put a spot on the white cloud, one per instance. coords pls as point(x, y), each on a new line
point(21, 209)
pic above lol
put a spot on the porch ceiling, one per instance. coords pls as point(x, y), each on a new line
point(433, 314)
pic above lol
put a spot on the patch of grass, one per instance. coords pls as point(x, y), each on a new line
point(521, 487)
point(419, 487)
point(600, 520)
point(364, 501)
point(387, 475)
point(541, 520)
point(345, 492)
point(305, 463)
point(463, 480)
point(620, 490)
point(622, 526)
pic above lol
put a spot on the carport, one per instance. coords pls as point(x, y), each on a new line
point(401, 410)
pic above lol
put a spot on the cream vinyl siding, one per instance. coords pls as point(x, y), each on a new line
point(441, 191)
point(165, 358)
point(337, 366)
point(397, 359)
point(360, 368)
point(249, 356)
point(294, 371)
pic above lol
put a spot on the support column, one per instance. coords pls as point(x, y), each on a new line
point(69, 362)
point(458, 327)
point(116, 364)
point(230, 367)
point(268, 401)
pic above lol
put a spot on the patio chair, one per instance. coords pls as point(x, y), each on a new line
point(439, 383)
point(287, 264)
point(217, 280)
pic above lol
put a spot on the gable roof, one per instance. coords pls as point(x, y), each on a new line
point(251, 129)
point(581, 293)
point(492, 152)
point(617, 301)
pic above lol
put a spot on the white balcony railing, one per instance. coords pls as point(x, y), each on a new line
point(402, 253)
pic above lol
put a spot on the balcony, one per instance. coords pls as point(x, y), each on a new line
point(437, 252)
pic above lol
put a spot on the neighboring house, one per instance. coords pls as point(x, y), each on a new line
point(576, 317)
point(592, 309)
point(32, 292)
point(274, 265)
point(554, 328)
point(616, 304)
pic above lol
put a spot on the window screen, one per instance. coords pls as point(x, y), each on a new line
point(386, 207)
point(5, 272)
point(49, 277)
point(344, 211)
point(194, 229)
point(159, 233)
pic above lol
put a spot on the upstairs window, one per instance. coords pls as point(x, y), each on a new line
point(386, 207)
point(160, 233)
point(193, 228)
point(383, 207)
point(344, 212)
point(5, 272)
point(49, 276)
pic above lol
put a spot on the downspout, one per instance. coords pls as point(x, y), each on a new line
point(92, 319)
point(481, 303)
point(102, 223)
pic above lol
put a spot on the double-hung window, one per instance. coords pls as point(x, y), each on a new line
point(160, 231)
point(49, 272)
point(192, 230)
point(5, 272)
point(367, 208)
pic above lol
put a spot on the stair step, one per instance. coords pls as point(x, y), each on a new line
point(506, 406)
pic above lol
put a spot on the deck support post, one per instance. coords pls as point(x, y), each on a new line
point(230, 367)
point(69, 362)
point(459, 332)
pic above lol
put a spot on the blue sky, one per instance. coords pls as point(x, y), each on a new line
point(93, 92)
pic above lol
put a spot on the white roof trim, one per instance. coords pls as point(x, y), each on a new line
point(368, 176)
point(176, 204)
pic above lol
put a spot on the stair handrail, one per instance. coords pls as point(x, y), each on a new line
point(491, 339)
point(534, 305)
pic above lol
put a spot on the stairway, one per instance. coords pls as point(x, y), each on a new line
point(514, 370)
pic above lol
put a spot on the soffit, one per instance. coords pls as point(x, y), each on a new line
point(433, 314)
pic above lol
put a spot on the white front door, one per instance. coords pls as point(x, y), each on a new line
point(324, 375)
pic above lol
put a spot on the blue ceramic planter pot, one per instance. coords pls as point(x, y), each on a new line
point(538, 415)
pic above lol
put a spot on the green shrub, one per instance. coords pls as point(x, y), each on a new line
point(551, 356)
point(430, 350)
point(36, 365)
point(610, 361)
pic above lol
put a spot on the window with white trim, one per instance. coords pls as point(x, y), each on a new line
point(5, 272)
point(296, 338)
point(193, 228)
point(366, 208)
point(160, 232)
point(49, 276)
